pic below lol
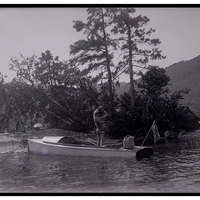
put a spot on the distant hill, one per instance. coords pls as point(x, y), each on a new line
point(184, 74)
point(124, 87)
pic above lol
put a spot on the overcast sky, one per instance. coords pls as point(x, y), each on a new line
point(34, 30)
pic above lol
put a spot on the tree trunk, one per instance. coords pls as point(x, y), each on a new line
point(108, 67)
point(131, 70)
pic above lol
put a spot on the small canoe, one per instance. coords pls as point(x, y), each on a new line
point(61, 145)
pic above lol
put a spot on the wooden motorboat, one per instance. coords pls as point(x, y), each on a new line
point(63, 145)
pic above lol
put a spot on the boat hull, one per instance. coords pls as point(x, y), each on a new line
point(38, 146)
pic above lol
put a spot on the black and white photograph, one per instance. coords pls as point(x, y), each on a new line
point(98, 99)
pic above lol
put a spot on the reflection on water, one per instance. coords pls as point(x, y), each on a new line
point(174, 167)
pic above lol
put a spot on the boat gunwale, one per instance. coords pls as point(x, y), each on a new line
point(85, 147)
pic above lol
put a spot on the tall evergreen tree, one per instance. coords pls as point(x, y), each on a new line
point(133, 35)
point(96, 48)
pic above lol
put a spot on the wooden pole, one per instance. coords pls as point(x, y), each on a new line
point(147, 134)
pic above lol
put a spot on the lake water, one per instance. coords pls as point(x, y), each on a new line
point(174, 168)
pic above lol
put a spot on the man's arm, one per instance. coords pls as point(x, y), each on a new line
point(103, 118)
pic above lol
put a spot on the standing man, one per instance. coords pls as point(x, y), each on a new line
point(99, 117)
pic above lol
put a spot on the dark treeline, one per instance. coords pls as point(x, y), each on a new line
point(64, 93)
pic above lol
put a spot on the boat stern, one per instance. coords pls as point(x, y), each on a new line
point(144, 152)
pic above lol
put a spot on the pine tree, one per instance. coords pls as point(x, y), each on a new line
point(96, 49)
point(133, 35)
